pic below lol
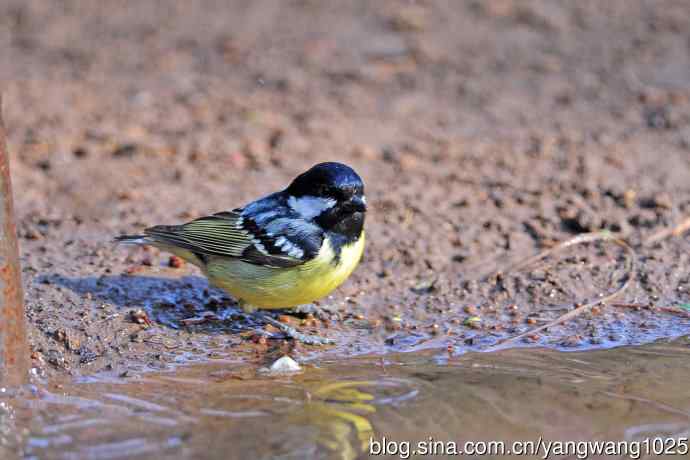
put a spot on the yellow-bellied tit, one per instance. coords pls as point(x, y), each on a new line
point(287, 249)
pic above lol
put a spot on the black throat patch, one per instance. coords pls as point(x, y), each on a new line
point(344, 231)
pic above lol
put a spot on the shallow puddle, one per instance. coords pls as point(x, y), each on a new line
point(334, 408)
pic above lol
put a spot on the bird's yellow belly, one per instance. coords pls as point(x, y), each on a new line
point(267, 287)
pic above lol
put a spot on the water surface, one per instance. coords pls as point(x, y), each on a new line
point(333, 409)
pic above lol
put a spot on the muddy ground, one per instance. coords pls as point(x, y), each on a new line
point(485, 131)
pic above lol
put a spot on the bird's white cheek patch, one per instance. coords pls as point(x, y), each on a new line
point(310, 206)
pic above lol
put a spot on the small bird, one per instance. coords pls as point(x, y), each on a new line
point(286, 249)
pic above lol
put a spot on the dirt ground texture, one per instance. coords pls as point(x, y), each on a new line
point(485, 132)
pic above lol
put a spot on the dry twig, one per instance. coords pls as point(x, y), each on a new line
point(580, 239)
point(638, 306)
point(682, 227)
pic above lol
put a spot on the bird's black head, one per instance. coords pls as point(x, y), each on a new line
point(328, 180)
point(332, 194)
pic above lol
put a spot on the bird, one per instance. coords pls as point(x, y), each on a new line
point(284, 250)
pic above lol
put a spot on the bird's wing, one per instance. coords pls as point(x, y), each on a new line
point(279, 241)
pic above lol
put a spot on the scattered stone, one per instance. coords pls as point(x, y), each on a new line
point(471, 310)
point(424, 286)
point(284, 365)
point(474, 322)
point(175, 262)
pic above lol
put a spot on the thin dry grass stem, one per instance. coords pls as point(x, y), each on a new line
point(659, 405)
point(682, 227)
point(631, 268)
point(579, 239)
point(638, 306)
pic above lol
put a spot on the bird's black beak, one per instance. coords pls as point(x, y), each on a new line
point(357, 204)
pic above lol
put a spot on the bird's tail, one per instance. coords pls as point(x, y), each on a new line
point(133, 239)
point(165, 237)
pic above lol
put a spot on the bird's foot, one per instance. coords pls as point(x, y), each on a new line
point(320, 312)
point(290, 331)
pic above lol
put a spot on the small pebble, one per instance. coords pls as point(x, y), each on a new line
point(284, 365)
point(471, 310)
point(474, 322)
point(175, 262)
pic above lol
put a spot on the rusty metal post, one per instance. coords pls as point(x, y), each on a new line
point(14, 351)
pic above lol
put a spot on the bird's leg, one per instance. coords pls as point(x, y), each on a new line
point(284, 328)
point(290, 331)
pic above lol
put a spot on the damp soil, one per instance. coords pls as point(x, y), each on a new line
point(485, 132)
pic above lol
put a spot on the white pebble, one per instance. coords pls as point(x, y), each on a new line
point(284, 365)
